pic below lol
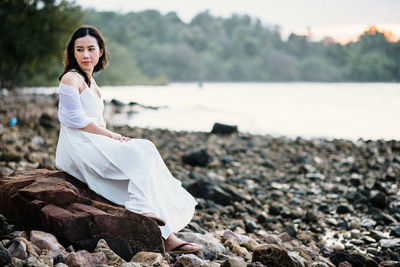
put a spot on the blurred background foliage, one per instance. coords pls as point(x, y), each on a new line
point(151, 48)
point(33, 34)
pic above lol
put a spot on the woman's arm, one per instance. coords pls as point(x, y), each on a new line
point(95, 129)
point(70, 109)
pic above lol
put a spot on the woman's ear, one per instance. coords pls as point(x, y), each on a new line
point(101, 51)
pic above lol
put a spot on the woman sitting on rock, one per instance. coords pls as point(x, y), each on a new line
point(128, 172)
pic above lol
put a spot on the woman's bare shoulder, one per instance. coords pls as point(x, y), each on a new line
point(73, 79)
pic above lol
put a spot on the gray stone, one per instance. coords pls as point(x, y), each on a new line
point(368, 223)
point(5, 256)
point(112, 258)
point(197, 157)
point(390, 243)
point(210, 191)
point(238, 237)
point(211, 246)
point(17, 249)
point(319, 264)
point(84, 258)
point(190, 260)
point(395, 231)
point(233, 262)
point(220, 128)
point(46, 241)
point(149, 259)
point(37, 140)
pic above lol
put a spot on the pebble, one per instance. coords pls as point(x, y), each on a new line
point(368, 223)
point(319, 264)
point(189, 260)
point(390, 243)
point(17, 249)
point(233, 262)
point(5, 256)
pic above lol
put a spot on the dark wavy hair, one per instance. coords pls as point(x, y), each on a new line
point(70, 62)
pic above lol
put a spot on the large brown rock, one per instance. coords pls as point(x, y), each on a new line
point(58, 203)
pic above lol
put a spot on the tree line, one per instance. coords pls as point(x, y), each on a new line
point(148, 47)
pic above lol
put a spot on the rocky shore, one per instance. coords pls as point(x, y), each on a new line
point(263, 200)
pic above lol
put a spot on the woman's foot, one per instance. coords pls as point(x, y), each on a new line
point(174, 245)
point(159, 221)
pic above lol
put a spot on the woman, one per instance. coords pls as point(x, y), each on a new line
point(126, 171)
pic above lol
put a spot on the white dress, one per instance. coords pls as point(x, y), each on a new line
point(131, 174)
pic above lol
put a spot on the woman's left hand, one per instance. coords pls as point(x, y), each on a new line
point(119, 137)
point(125, 138)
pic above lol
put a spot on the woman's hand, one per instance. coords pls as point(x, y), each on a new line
point(119, 137)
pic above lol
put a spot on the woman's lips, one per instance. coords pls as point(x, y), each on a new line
point(86, 62)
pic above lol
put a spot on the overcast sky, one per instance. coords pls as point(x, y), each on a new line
point(340, 19)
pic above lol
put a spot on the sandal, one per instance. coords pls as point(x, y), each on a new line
point(178, 250)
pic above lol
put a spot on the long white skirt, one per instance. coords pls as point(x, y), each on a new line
point(131, 174)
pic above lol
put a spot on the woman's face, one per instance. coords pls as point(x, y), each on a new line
point(87, 53)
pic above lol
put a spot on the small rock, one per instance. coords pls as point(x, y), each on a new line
point(273, 239)
point(84, 258)
point(219, 128)
point(251, 226)
point(241, 251)
point(345, 264)
point(378, 199)
point(390, 243)
point(48, 122)
point(239, 238)
point(210, 191)
point(17, 249)
point(47, 241)
point(315, 176)
point(290, 231)
point(189, 260)
point(197, 157)
point(5, 256)
point(10, 156)
point(251, 245)
point(117, 103)
point(211, 246)
point(368, 223)
point(230, 243)
point(37, 140)
point(343, 259)
point(389, 264)
point(319, 264)
point(395, 231)
point(15, 262)
point(273, 256)
point(233, 262)
point(112, 258)
point(149, 259)
point(343, 209)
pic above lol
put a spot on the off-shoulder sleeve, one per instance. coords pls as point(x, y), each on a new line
point(70, 111)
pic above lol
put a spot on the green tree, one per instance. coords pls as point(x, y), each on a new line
point(32, 33)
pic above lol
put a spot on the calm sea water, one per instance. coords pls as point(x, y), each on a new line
point(330, 110)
